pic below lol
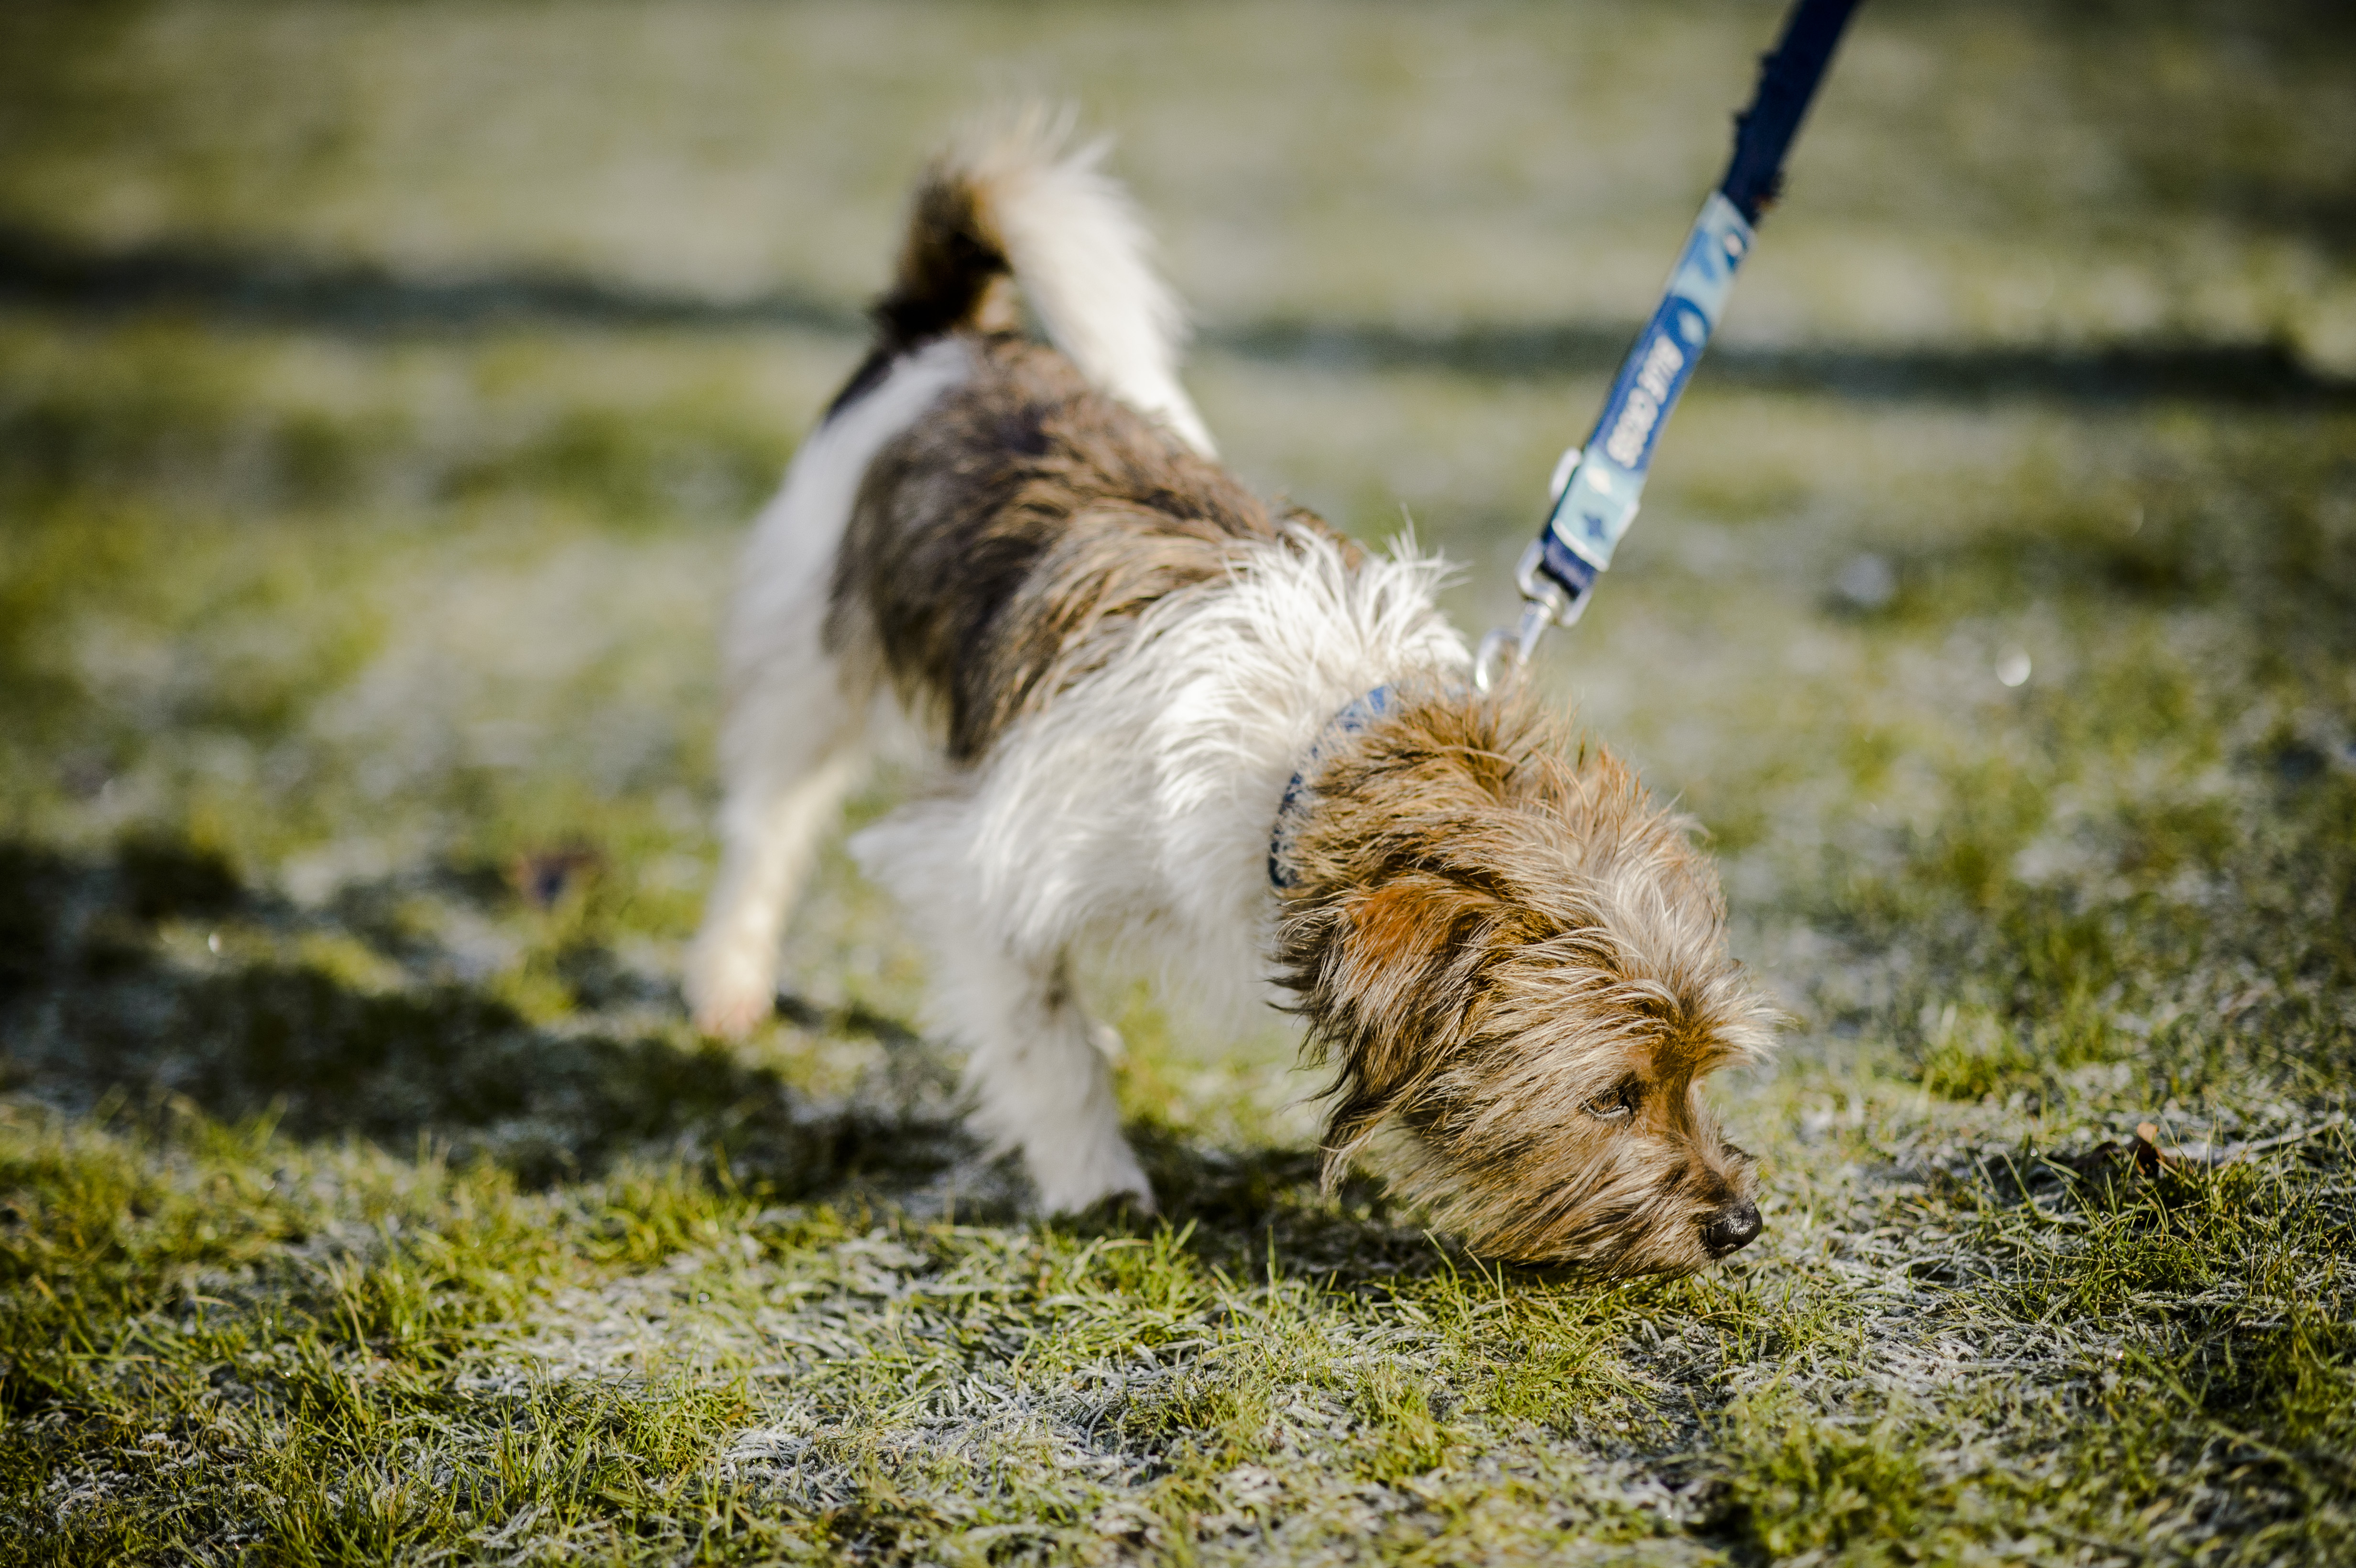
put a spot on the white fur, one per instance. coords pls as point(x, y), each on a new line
point(1124, 824)
point(1127, 824)
point(792, 743)
point(1078, 247)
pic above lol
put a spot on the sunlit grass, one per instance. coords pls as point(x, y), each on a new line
point(364, 1195)
point(629, 1289)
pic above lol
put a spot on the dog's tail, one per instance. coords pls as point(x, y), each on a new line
point(1016, 199)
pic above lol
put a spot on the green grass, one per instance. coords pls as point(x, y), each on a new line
point(364, 1196)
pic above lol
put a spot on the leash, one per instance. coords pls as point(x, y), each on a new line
point(1595, 489)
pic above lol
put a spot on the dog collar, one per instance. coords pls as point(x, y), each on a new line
point(1347, 722)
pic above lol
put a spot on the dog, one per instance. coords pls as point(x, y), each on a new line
point(1179, 732)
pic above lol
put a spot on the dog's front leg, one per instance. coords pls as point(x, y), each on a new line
point(1038, 1073)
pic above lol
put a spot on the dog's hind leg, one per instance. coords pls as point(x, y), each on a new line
point(792, 743)
point(792, 748)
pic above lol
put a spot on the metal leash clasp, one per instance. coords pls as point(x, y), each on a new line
point(1544, 603)
point(1506, 651)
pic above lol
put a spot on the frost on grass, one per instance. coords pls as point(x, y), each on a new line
point(359, 1199)
point(1110, 1389)
point(364, 1197)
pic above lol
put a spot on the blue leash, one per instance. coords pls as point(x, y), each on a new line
point(1597, 488)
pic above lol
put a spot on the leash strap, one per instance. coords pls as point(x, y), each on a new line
point(1596, 499)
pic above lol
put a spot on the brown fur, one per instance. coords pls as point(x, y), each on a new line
point(996, 543)
point(1515, 961)
point(952, 275)
point(1498, 940)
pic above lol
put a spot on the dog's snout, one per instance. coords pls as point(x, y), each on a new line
point(1730, 1230)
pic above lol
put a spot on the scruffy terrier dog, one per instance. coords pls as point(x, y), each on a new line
point(1180, 733)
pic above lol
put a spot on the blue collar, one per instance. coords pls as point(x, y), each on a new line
point(1347, 722)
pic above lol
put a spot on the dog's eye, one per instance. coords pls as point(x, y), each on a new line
point(1619, 1105)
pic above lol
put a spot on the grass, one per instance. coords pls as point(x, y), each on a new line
point(364, 1196)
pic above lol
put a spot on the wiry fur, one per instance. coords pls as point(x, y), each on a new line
point(996, 544)
point(1515, 963)
point(1010, 200)
point(1495, 935)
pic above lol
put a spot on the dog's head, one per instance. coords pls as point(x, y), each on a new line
point(1518, 962)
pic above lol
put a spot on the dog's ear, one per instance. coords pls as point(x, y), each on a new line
point(1402, 988)
point(1398, 927)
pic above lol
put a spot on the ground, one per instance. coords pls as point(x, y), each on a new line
point(382, 390)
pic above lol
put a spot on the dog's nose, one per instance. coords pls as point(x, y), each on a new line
point(1731, 1231)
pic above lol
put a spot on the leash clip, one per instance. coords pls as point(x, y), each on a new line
point(1505, 650)
point(1544, 602)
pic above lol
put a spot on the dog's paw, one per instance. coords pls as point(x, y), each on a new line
point(729, 1006)
point(731, 983)
point(1122, 1214)
point(1072, 1180)
point(1137, 1203)
point(734, 1017)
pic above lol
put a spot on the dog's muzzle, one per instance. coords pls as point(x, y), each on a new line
point(1731, 1230)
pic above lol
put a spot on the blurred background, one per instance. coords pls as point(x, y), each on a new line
point(383, 388)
